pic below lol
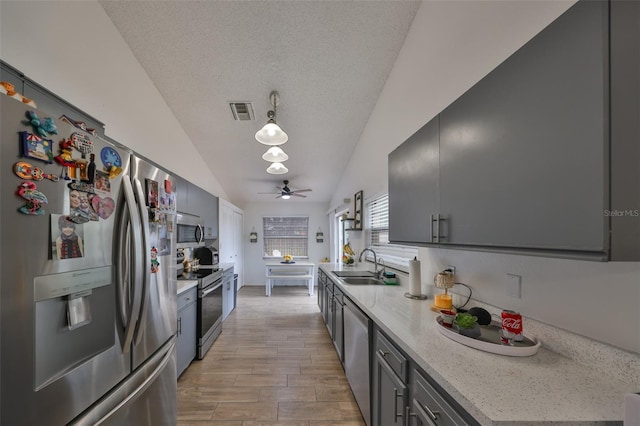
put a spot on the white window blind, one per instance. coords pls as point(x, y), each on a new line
point(377, 229)
point(287, 235)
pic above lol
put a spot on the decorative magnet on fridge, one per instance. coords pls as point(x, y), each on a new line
point(82, 143)
point(78, 124)
point(9, 89)
point(33, 146)
point(26, 171)
point(152, 193)
point(155, 265)
point(111, 161)
point(35, 198)
point(41, 127)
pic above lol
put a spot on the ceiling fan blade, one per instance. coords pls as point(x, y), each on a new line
point(302, 190)
point(279, 196)
point(268, 193)
point(298, 195)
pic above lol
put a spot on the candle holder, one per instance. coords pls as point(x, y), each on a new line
point(445, 280)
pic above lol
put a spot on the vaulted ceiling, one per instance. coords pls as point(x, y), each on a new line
point(328, 60)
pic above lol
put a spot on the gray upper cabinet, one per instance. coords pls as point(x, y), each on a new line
point(196, 201)
point(540, 156)
point(522, 150)
point(413, 186)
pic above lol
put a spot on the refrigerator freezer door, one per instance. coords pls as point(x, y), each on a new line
point(146, 398)
point(40, 384)
point(158, 318)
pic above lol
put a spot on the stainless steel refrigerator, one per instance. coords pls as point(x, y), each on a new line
point(88, 290)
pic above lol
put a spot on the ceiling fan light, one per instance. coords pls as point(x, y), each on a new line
point(271, 134)
point(286, 196)
point(277, 169)
point(275, 154)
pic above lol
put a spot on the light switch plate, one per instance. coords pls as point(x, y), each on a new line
point(514, 285)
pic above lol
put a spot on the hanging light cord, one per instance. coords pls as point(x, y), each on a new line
point(468, 297)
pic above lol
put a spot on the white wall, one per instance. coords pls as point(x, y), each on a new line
point(452, 45)
point(73, 49)
point(253, 213)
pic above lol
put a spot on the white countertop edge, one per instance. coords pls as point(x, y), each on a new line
point(184, 285)
point(489, 386)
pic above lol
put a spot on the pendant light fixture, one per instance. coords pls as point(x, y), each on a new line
point(271, 133)
point(277, 169)
point(275, 154)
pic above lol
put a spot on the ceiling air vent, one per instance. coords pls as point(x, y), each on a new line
point(242, 111)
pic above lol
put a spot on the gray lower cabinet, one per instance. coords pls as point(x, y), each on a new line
point(322, 283)
point(338, 322)
point(186, 344)
point(228, 294)
point(429, 408)
point(390, 391)
point(539, 156)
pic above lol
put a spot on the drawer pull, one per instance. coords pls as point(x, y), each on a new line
point(395, 405)
point(433, 414)
point(382, 353)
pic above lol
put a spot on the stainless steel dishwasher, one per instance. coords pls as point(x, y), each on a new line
point(356, 355)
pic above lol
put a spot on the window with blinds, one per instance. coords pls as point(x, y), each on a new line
point(286, 235)
point(377, 229)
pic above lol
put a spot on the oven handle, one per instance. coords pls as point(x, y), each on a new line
point(204, 293)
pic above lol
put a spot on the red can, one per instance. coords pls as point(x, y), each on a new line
point(511, 326)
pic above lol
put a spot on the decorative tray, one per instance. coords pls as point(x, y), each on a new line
point(489, 340)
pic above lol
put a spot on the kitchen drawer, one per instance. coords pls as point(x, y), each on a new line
point(391, 355)
point(429, 407)
point(188, 297)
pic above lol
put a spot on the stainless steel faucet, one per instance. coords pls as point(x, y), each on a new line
point(375, 262)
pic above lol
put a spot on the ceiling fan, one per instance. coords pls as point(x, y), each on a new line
point(285, 192)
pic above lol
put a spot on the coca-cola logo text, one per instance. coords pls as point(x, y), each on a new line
point(512, 323)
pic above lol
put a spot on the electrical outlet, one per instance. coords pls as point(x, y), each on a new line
point(453, 269)
point(514, 285)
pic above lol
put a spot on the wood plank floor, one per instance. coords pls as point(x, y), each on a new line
point(273, 364)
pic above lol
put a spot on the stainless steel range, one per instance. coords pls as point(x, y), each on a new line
point(209, 323)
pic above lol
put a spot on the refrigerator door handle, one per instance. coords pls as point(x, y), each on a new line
point(129, 390)
point(145, 266)
point(128, 220)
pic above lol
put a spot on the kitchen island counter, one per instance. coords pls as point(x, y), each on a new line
point(495, 389)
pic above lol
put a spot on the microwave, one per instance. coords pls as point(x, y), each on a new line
point(190, 232)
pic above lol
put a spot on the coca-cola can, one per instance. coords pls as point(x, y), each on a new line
point(511, 326)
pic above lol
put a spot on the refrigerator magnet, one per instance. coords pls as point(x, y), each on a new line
point(152, 193)
point(103, 207)
point(111, 161)
point(26, 171)
point(33, 146)
point(101, 181)
point(41, 127)
point(34, 198)
point(82, 143)
point(155, 264)
point(67, 238)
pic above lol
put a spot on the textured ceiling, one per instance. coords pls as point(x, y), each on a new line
point(328, 60)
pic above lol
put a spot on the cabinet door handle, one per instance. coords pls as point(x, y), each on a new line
point(437, 219)
point(395, 405)
point(433, 414)
point(179, 326)
point(382, 353)
point(407, 415)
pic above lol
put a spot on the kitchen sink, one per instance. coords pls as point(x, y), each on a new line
point(362, 281)
point(342, 274)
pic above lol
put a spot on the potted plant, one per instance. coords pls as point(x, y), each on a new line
point(467, 325)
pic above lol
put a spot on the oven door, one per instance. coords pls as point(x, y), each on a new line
point(209, 316)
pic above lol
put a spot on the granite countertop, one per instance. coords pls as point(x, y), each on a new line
point(495, 389)
point(184, 285)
